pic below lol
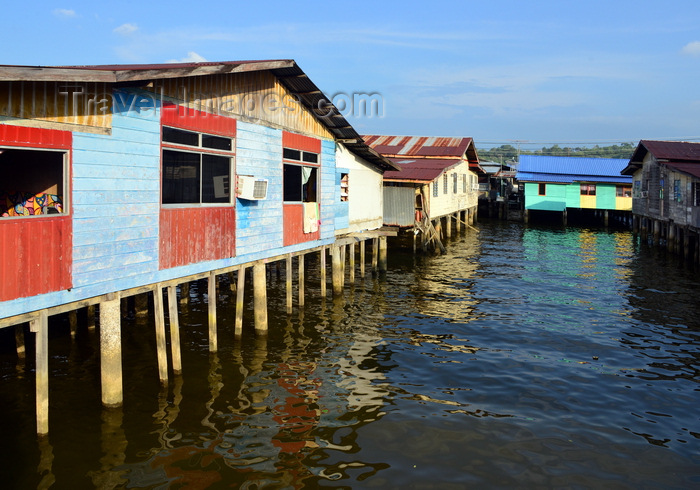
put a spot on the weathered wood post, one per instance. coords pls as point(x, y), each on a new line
point(375, 254)
point(40, 326)
point(91, 317)
point(184, 292)
point(161, 347)
point(73, 321)
point(141, 305)
point(111, 352)
point(526, 216)
point(382, 254)
point(211, 300)
point(671, 239)
point(656, 232)
point(343, 253)
point(174, 330)
point(323, 271)
point(288, 277)
point(606, 218)
point(362, 258)
point(448, 226)
point(240, 293)
point(19, 341)
point(301, 280)
point(337, 270)
point(458, 223)
point(564, 217)
point(260, 298)
point(352, 263)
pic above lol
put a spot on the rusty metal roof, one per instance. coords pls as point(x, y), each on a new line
point(665, 152)
point(423, 158)
point(287, 72)
point(420, 169)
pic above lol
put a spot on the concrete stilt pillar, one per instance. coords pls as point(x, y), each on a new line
point(211, 304)
point(40, 326)
point(382, 254)
point(260, 298)
point(174, 330)
point(111, 353)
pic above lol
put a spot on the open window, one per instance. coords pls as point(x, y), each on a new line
point(623, 190)
point(542, 189)
point(588, 189)
point(197, 167)
point(32, 182)
point(300, 180)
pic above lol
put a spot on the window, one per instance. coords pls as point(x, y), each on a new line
point(696, 193)
point(344, 187)
point(464, 183)
point(300, 182)
point(542, 190)
point(588, 189)
point(454, 183)
point(637, 188)
point(444, 184)
point(436, 188)
point(623, 191)
point(33, 182)
point(677, 190)
point(196, 167)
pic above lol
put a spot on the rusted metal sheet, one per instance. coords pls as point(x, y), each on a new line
point(189, 235)
point(399, 206)
point(35, 256)
point(420, 169)
point(294, 225)
point(419, 145)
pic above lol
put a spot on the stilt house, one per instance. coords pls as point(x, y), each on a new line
point(438, 179)
point(666, 189)
point(571, 183)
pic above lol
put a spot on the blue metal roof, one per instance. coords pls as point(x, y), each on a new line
point(571, 169)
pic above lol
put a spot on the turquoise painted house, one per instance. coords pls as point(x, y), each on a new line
point(561, 183)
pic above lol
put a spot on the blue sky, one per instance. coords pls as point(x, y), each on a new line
point(541, 72)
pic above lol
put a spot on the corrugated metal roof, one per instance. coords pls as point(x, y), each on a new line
point(568, 179)
point(690, 168)
point(420, 169)
point(671, 150)
point(287, 72)
point(536, 168)
point(425, 146)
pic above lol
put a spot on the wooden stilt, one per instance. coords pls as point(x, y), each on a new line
point(375, 254)
point(260, 298)
point(40, 326)
point(213, 339)
point(459, 222)
point(448, 226)
point(352, 263)
point(184, 292)
point(174, 330)
point(232, 282)
point(73, 321)
point(141, 305)
point(160, 334)
point(111, 353)
point(337, 270)
point(302, 280)
point(238, 331)
point(19, 341)
point(289, 284)
point(91, 317)
point(323, 272)
point(382, 254)
point(343, 253)
point(362, 258)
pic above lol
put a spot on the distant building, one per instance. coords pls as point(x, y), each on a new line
point(560, 184)
point(666, 192)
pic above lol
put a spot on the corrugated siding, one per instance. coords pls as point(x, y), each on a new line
point(257, 95)
point(35, 256)
point(84, 104)
point(399, 206)
point(116, 197)
point(191, 235)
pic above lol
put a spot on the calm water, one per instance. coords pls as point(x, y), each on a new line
point(524, 357)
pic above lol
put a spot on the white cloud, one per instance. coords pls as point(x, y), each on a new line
point(67, 13)
point(126, 29)
point(692, 48)
point(191, 57)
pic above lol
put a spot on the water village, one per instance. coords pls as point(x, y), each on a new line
point(123, 184)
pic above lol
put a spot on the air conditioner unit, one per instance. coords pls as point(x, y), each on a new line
point(644, 194)
point(251, 188)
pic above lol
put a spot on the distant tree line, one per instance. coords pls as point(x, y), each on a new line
point(509, 153)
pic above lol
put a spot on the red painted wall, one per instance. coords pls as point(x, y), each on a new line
point(36, 253)
point(294, 225)
point(186, 118)
point(300, 142)
point(189, 235)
